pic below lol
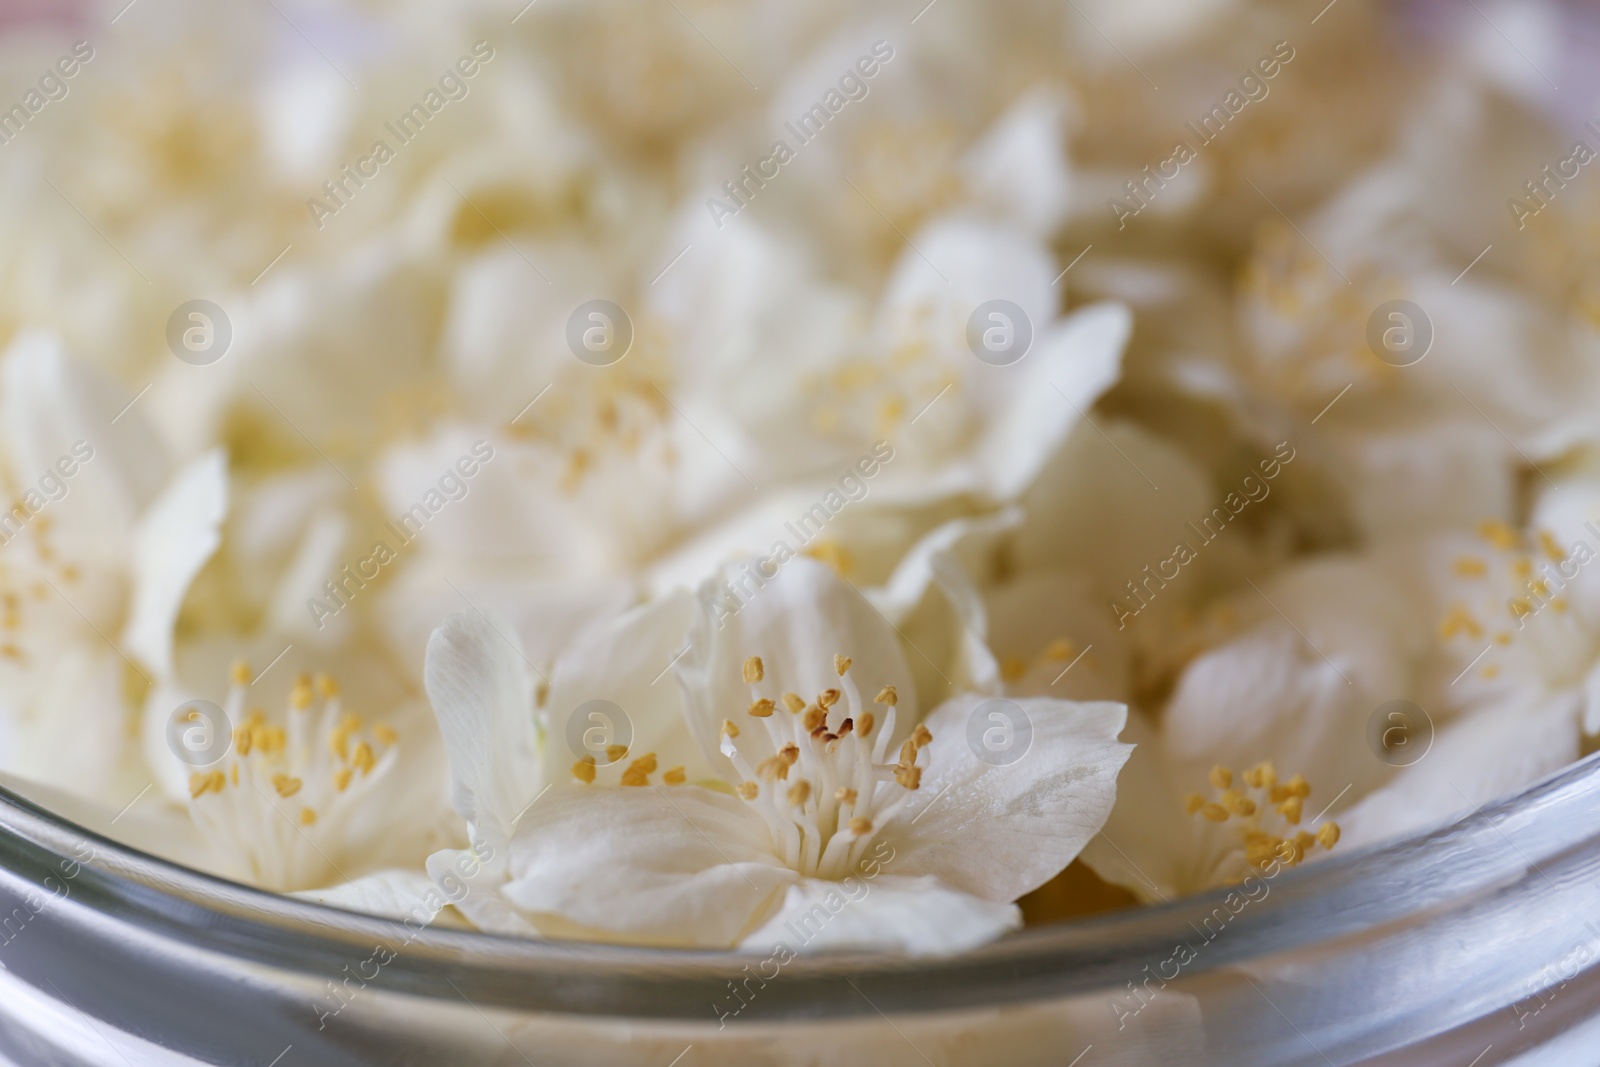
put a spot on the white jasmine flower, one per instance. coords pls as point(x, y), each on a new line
point(790, 799)
point(102, 540)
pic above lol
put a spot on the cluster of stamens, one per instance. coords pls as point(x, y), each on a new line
point(281, 782)
point(636, 773)
point(1512, 582)
point(825, 789)
point(30, 558)
point(1265, 812)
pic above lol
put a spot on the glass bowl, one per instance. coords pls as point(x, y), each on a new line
point(1472, 944)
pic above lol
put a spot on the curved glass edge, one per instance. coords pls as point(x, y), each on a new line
point(1343, 897)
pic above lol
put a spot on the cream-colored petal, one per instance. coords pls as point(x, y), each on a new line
point(659, 865)
point(171, 543)
point(482, 694)
point(999, 830)
point(918, 916)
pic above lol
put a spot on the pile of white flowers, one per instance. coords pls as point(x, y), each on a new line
point(730, 472)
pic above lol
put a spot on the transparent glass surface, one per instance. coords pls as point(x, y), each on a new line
point(1471, 944)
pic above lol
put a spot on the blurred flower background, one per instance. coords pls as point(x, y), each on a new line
point(1218, 375)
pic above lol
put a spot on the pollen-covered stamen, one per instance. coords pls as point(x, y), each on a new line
point(822, 791)
point(319, 756)
point(1264, 812)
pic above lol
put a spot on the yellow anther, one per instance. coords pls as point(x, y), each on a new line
point(307, 817)
point(1013, 668)
point(887, 696)
point(1221, 777)
point(861, 827)
point(286, 785)
point(1193, 803)
point(729, 729)
point(341, 778)
point(615, 752)
point(921, 736)
point(1458, 621)
point(772, 769)
point(762, 708)
point(239, 673)
point(749, 790)
point(908, 752)
point(864, 724)
point(814, 718)
point(908, 777)
point(753, 670)
point(799, 793)
point(840, 664)
point(1238, 803)
point(301, 697)
point(362, 759)
point(242, 738)
point(1290, 809)
point(1262, 776)
point(828, 698)
point(1328, 834)
point(1060, 650)
point(1498, 534)
point(1522, 568)
point(793, 702)
point(327, 687)
point(640, 770)
point(1470, 567)
point(385, 734)
point(675, 776)
point(583, 770)
point(1551, 546)
point(1214, 812)
point(844, 795)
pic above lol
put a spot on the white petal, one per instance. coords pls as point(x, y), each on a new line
point(171, 543)
point(50, 404)
point(1043, 396)
point(483, 698)
point(473, 886)
point(916, 916)
point(1004, 830)
point(673, 865)
point(626, 662)
point(393, 894)
point(796, 622)
point(1482, 756)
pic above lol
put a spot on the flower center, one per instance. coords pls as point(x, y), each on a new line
point(284, 795)
point(1518, 583)
point(1264, 813)
point(825, 790)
